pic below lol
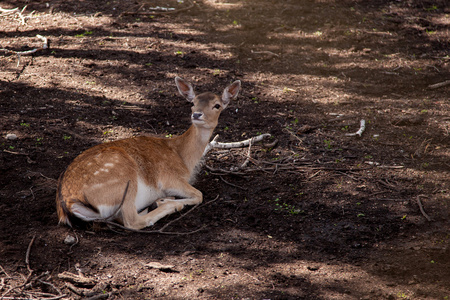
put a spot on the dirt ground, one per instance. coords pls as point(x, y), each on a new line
point(321, 215)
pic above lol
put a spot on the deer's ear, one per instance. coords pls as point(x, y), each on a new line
point(185, 89)
point(231, 92)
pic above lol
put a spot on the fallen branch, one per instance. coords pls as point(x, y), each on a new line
point(390, 167)
point(77, 278)
point(7, 12)
point(362, 127)
point(22, 53)
point(439, 85)
point(268, 54)
point(161, 10)
point(215, 144)
point(421, 208)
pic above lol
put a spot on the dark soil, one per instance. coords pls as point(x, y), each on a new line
point(321, 215)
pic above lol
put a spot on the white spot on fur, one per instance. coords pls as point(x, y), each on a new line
point(109, 165)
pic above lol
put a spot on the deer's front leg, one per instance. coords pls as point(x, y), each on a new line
point(187, 195)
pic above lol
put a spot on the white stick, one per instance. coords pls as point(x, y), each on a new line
point(215, 144)
point(362, 127)
point(19, 53)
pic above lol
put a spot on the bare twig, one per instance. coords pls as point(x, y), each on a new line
point(23, 53)
point(439, 85)
point(53, 286)
point(3, 270)
point(15, 153)
point(362, 127)
point(27, 256)
point(294, 135)
point(391, 167)
point(6, 11)
point(314, 175)
point(248, 155)
point(269, 54)
point(421, 208)
point(15, 11)
point(233, 185)
point(166, 11)
point(425, 144)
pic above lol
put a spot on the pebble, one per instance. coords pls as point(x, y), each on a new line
point(11, 136)
point(69, 240)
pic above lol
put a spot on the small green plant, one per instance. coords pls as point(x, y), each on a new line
point(235, 23)
point(169, 135)
point(318, 33)
point(295, 122)
point(25, 124)
point(216, 72)
point(284, 207)
point(360, 215)
point(39, 140)
point(345, 128)
point(434, 7)
point(179, 52)
point(86, 33)
point(328, 144)
point(66, 137)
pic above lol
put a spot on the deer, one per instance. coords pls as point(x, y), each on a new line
point(121, 180)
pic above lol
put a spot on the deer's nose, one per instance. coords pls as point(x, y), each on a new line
point(197, 115)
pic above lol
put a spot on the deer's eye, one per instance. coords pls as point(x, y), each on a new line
point(217, 106)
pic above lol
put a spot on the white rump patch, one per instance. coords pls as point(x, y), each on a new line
point(84, 213)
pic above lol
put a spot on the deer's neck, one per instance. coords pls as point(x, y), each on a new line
point(191, 145)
